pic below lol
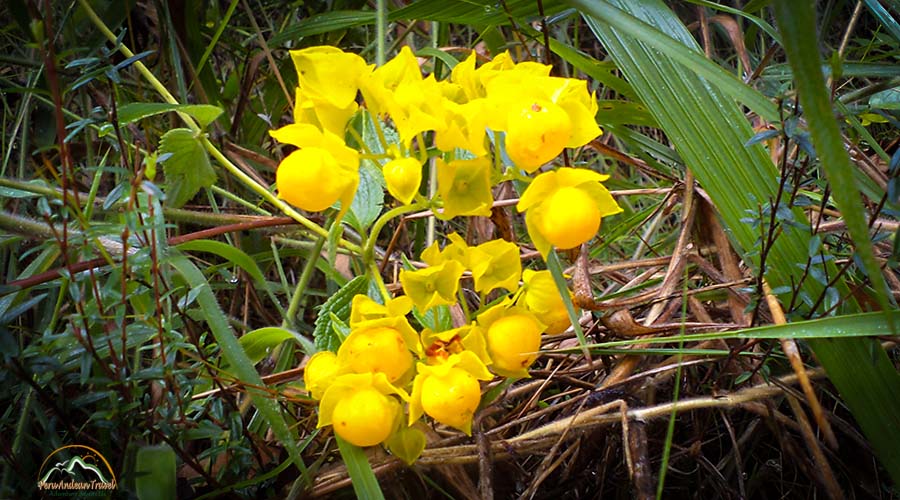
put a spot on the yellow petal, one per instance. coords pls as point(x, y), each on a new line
point(329, 74)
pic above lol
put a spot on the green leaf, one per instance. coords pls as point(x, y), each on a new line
point(134, 111)
point(665, 38)
point(188, 169)
point(369, 198)
point(237, 359)
point(890, 24)
point(851, 325)
point(259, 342)
point(407, 444)
point(365, 484)
point(323, 23)
point(155, 473)
point(339, 305)
point(234, 255)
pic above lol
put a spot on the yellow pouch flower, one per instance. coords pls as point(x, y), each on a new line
point(449, 392)
point(319, 373)
point(513, 338)
point(381, 346)
point(495, 264)
point(541, 297)
point(361, 408)
point(465, 187)
point(432, 286)
point(324, 170)
point(564, 207)
point(403, 177)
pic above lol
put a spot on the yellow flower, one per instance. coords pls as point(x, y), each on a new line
point(495, 264)
point(417, 107)
point(403, 177)
point(472, 80)
point(363, 309)
point(464, 127)
point(328, 74)
point(361, 408)
point(457, 250)
point(380, 346)
point(564, 207)
point(433, 285)
point(320, 372)
point(536, 133)
point(324, 170)
point(541, 297)
point(513, 338)
point(439, 346)
point(465, 187)
point(322, 114)
point(379, 87)
point(449, 392)
point(540, 114)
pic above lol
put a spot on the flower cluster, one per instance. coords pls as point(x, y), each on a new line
point(481, 126)
point(386, 375)
point(537, 116)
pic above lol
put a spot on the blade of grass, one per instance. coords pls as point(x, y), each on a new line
point(237, 359)
point(803, 55)
point(365, 484)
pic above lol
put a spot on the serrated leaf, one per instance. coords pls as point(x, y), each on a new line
point(134, 111)
point(188, 169)
point(339, 305)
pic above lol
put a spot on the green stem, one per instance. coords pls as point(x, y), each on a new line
point(380, 31)
point(305, 276)
point(368, 253)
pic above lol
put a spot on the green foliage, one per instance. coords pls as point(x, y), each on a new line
point(140, 312)
point(188, 169)
point(326, 336)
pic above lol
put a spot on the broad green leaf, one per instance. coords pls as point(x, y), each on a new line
point(155, 473)
point(259, 342)
point(451, 11)
point(709, 132)
point(886, 99)
point(624, 113)
point(134, 111)
point(188, 169)
point(476, 13)
point(339, 305)
point(234, 355)
point(365, 484)
point(369, 198)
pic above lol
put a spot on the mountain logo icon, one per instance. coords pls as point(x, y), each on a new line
point(76, 469)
